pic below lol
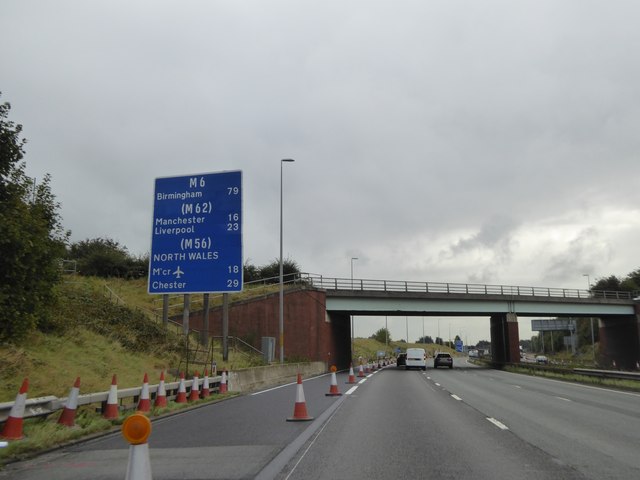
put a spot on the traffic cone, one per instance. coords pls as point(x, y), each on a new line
point(111, 409)
point(333, 389)
point(144, 404)
point(205, 385)
point(361, 371)
point(300, 409)
point(136, 430)
point(352, 377)
point(161, 395)
point(13, 426)
point(195, 388)
point(223, 382)
point(68, 416)
point(182, 391)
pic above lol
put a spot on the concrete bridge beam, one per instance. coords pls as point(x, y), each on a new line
point(505, 338)
point(620, 342)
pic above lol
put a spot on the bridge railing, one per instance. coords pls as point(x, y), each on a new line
point(359, 284)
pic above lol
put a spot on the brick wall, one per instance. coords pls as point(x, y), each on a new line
point(309, 334)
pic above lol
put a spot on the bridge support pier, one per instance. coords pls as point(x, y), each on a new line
point(620, 342)
point(505, 338)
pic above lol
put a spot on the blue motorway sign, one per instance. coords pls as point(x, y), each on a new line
point(459, 346)
point(196, 240)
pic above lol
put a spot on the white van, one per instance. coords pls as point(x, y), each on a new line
point(416, 358)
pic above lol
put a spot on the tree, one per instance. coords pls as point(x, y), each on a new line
point(272, 270)
point(383, 336)
point(250, 272)
point(101, 257)
point(32, 239)
point(611, 283)
point(425, 339)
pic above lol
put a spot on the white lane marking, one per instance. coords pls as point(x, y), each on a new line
point(455, 397)
point(317, 435)
point(563, 399)
point(437, 384)
point(517, 386)
point(498, 424)
point(351, 390)
point(274, 388)
point(362, 381)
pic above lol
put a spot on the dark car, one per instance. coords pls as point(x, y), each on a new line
point(443, 360)
point(401, 360)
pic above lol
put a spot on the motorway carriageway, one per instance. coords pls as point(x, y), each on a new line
point(468, 421)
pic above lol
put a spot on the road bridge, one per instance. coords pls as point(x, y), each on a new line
point(318, 308)
point(617, 311)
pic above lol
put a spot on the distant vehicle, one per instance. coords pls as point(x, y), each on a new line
point(401, 360)
point(416, 358)
point(542, 359)
point(473, 354)
point(443, 360)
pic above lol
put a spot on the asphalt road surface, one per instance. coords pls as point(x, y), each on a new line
point(440, 424)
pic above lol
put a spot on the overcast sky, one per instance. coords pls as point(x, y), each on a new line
point(446, 141)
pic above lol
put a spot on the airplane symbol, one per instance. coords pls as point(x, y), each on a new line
point(178, 273)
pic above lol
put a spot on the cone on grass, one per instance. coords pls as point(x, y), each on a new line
point(300, 409)
point(111, 409)
point(223, 382)
point(333, 388)
point(144, 404)
point(352, 377)
point(12, 429)
point(195, 388)
point(161, 395)
point(68, 416)
point(205, 385)
point(182, 391)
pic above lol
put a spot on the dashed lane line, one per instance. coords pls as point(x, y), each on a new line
point(498, 423)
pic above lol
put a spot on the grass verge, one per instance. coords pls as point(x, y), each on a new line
point(615, 383)
point(44, 433)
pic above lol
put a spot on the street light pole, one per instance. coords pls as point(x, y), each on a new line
point(281, 309)
point(593, 341)
point(352, 259)
point(351, 316)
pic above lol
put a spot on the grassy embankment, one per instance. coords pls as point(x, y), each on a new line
point(98, 335)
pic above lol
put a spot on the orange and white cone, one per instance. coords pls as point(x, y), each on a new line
point(13, 426)
point(195, 388)
point(161, 395)
point(223, 382)
point(352, 377)
point(205, 385)
point(68, 416)
point(300, 409)
point(182, 391)
point(361, 371)
point(144, 404)
point(111, 409)
point(333, 389)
